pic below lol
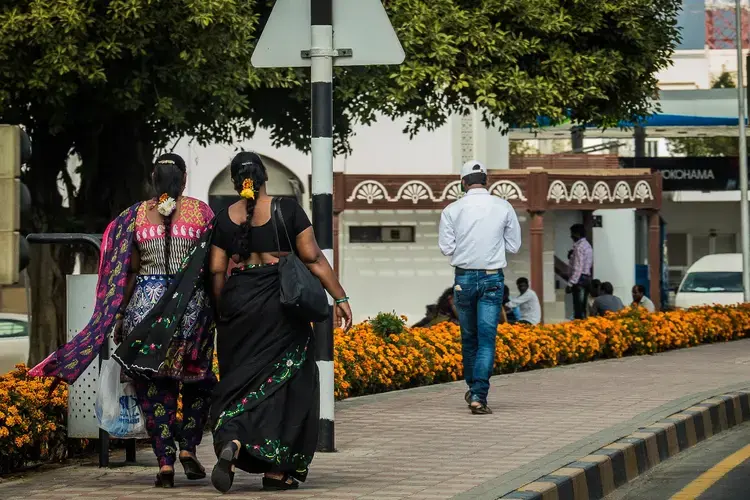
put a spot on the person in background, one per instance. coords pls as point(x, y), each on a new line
point(476, 231)
point(640, 299)
point(509, 314)
point(594, 291)
point(442, 312)
point(580, 264)
point(527, 303)
point(606, 301)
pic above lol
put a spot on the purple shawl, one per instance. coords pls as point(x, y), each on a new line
point(71, 360)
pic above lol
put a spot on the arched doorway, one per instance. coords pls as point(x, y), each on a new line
point(282, 182)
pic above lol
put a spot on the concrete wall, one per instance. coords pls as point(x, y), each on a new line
point(614, 250)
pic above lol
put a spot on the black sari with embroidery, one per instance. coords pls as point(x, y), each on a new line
point(267, 397)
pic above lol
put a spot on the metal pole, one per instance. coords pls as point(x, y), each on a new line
point(744, 213)
point(322, 53)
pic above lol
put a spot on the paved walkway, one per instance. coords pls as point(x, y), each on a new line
point(424, 444)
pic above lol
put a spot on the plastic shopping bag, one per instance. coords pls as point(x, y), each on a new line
point(117, 406)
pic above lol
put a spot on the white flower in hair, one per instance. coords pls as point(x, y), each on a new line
point(166, 205)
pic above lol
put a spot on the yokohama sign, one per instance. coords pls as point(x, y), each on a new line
point(691, 173)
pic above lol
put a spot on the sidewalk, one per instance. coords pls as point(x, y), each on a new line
point(424, 444)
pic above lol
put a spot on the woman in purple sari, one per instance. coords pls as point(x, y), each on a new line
point(168, 352)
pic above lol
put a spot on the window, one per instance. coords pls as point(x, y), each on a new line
point(381, 234)
point(10, 328)
point(712, 282)
point(652, 148)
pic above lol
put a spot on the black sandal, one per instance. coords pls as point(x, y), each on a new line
point(164, 479)
point(285, 483)
point(193, 469)
point(467, 397)
point(482, 409)
point(222, 476)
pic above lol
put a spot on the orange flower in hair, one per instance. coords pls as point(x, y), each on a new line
point(248, 190)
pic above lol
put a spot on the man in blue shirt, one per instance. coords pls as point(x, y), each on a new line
point(475, 232)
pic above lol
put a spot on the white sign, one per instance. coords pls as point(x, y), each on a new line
point(361, 26)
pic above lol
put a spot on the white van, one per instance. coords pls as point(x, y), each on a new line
point(713, 279)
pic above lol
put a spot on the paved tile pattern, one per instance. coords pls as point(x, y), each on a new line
point(424, 444)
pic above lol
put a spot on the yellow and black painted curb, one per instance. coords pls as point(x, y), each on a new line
point(597, 475)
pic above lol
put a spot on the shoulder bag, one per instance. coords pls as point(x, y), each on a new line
point(301, 291)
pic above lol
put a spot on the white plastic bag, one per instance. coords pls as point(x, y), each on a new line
point(117, 407)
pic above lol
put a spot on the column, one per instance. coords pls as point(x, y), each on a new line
point(639, 135)
point(654, 257)
point(536, 229)
point(576, 137)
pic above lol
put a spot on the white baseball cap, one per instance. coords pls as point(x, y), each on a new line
point(473, 167)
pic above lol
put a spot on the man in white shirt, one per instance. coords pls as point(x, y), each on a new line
point(527, 303)
point(640, 299)
point(475, 232)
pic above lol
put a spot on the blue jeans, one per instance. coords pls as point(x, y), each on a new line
point(478, 296)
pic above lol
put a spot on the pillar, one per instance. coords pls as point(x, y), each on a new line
point(654, 257)
point(536, 247)
point(576, 137)
point(639, 135)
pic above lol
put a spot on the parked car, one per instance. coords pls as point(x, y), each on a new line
point(14, 340)
point(713, 279)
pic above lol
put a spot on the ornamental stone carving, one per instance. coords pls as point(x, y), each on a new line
point(600, 193)
point(369, 191)
point(507, 190)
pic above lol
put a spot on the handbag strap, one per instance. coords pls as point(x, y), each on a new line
point(277, 213)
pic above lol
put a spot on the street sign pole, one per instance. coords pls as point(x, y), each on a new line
point(300, 33)
point(744, 210)
point(321, 55)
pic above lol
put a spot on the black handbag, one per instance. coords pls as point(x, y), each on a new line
point(301, 291)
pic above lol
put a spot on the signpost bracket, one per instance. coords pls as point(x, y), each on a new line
point(309, 54)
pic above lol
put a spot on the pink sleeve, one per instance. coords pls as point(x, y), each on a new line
point(206, 212)
point(105, 239)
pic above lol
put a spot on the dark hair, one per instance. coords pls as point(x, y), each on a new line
point(607, 288)
point(443, 303)
point(168, 179)
point(595, 285)
point(475, 179)
point(247, 166)
point(578, 230)
point(640, 288)
point(522, 280)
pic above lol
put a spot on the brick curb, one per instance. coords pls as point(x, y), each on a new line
point(597, 475)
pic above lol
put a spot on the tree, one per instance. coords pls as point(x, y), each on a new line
point(115, 81)
point(708, 146)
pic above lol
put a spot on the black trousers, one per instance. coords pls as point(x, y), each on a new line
point(580, 299)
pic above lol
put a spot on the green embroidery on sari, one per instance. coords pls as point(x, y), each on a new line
point(283, 371)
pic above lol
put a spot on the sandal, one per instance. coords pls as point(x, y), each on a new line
point(164, 479)
point(222, 476)
point(285, 483)
point(467, 397)
point(481, 409)
point(193, 469)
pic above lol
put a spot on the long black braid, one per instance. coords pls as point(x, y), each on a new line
point(168, 180)
point(248, 172)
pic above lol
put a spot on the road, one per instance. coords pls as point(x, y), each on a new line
point(716, 469)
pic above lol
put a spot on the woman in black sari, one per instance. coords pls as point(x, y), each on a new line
point(265, 407)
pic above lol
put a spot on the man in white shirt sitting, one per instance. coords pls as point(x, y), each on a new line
point(476, 231)
point(527, 302)
point(640, 299)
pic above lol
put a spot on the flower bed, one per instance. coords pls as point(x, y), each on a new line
point(384, 355)
point(371, 359)
point(31, 420)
